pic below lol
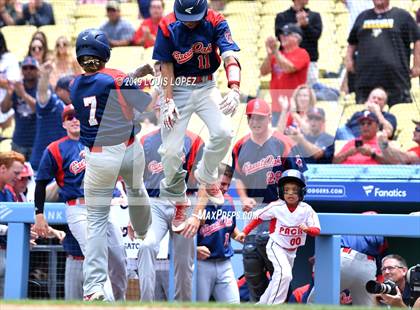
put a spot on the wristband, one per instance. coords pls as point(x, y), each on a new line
point(233, 74)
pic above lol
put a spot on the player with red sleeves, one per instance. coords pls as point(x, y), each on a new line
point(104, 100)
point(190, 44)
point(291, 220)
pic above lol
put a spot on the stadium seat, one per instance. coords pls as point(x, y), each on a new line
point(18, 39)
point(53, 32)
point(405, 113)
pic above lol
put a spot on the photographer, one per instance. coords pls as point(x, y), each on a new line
point(394, 268)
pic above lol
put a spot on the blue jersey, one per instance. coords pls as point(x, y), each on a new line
point(70, 244)
point(153, 172)
point(104, 104)
point(260, 167)
point(369, 245)
point(193, 52)
point(25, 120)
point(220, 222)
point(64, 160)
point(6, 195)
point(49, 127)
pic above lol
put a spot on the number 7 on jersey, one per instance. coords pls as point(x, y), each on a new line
point(91, 101)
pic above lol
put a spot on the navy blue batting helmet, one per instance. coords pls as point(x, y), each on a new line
point(190, 10)
point(292, 175)
point(93, 42)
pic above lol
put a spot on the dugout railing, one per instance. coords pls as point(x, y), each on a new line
point(19, 216)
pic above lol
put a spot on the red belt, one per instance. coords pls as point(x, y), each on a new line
point(348, 251)
point(203, 78)
point(98, 148)
point(76, 202)
point(76, 257)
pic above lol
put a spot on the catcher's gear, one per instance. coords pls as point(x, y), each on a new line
point(169, 113)
point(93, 42)
point(190, 10)
point(230, 102)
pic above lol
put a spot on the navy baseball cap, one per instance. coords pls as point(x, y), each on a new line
point(29, 62)
point(316, 112)
point(368, 115)
point(290, 29)
point(64, 82)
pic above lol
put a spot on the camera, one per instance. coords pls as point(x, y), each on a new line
point(358, 143)
point(413, 280)
point(388, 287)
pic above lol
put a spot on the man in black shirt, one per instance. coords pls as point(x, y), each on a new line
point(311, 24)
point(381, 37)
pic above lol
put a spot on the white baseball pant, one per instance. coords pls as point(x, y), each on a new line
point(355, 270)
point(215, 278)
point(73, 279)
point(116, 283)
point(183, 251)
point(102, 170)
point(203, 99)
point(278, 287)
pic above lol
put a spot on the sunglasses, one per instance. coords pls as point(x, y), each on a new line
point(111, 10)
point(62, 44)
point(366, 123)
point(70, 117)
point(417, 129)
point(37, 48)
point(315, 118)
point(25, 68)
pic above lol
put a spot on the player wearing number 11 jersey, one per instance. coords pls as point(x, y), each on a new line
point(104, 100)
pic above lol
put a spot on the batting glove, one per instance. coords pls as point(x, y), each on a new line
point(169, 113)
point(230, 102)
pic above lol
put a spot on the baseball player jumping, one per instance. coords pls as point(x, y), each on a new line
point(65, 161)
point(188, 44)
point(104, 100)
point(293, 220)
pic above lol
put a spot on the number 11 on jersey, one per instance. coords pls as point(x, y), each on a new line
point(91, 101)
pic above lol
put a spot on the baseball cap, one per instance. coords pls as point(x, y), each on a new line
point(113, 4)
point(417, 123)
point(318, 112)
point(367, 115)
point(29, 61)
point(68, 110)
point(258, 107)
point(290, 29)
point(64, 82)
point(26, 171)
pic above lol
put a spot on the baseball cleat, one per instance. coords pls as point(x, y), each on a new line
point(97, 296)
point(213, 191)
point(180, 216)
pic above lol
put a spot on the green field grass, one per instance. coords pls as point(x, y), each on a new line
point(38, 304)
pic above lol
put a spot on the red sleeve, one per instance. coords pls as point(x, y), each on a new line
point(139, 34)
point(300, 59)
point(313, 231)
point(251, 225)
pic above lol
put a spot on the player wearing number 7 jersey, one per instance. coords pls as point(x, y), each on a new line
point(104, 100)
point(291, 220)
point(190, 44)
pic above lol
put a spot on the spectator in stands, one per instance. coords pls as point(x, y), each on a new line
point(363, 150)
point(288, 67)
point(21, 188)
point(38, 13)
point(64, 62)
point(119, 31)
point(296, 113)
point(146, 34)
point(311, 24)
point(144, 11)
point(382, 36)
point(375, 103)
point(10, 13)
point(394, 155)
point(49, 107)
point(9, 73)
point(11, 165)
point(21, 96)
point(38, 49)
point(394, 268)
point(316, 147)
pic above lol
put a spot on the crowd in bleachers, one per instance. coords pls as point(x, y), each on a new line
point(335, 102)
